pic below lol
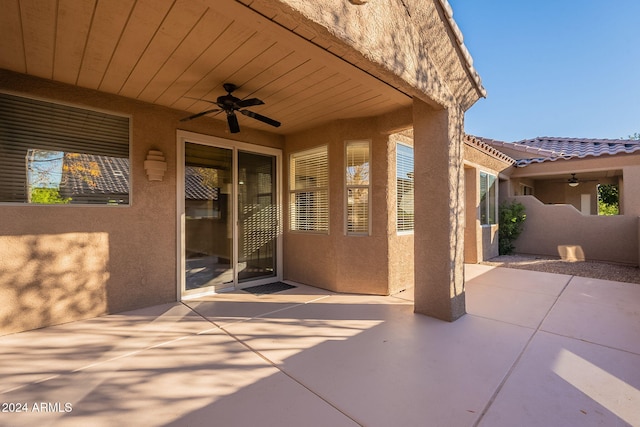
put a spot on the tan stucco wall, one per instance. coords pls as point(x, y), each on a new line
point(631, 196)
point(559, 192)
point(576, 165)
point(408, 43)
point(64, 263)
point(515, 187)
point(561, 230)
point(490, 247)
point(439, 206)
point(337, 261)
point(551, 191)
point(480, 242)
point(481, 160)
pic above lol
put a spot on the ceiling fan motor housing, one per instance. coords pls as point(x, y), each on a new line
point(229, 104)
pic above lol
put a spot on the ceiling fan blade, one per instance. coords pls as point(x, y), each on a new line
point(260, 117)
point(199, 99)
point(234, 127)
point(195, 116)
point(249, 102)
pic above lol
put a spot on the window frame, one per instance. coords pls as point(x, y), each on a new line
point(526, 190)
point(293, 192)
point(60, 148)
point(348, 186)
point(487, 206)
point(411, 181)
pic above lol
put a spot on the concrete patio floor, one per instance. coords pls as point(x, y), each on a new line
point(535, 349)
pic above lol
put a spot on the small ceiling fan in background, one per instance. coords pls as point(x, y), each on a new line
point(230, 104)
point(574, 181)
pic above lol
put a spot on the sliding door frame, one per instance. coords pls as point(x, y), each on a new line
point(196, 138)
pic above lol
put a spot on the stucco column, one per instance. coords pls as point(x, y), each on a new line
point(630, 196)
point(631, 190)
point(439, 212)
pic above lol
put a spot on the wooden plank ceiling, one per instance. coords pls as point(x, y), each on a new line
point(174, 52)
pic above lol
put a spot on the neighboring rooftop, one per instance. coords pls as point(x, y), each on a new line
point(90, 174)
point(94, 174)
point(195, 186)
point(488, 149)
point(542, 149)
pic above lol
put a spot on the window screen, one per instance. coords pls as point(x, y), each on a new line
point(404, 187)
point(357, 186)
point(309, 191)
point(57, 154)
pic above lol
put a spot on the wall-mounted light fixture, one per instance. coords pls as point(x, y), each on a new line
point(155, 165)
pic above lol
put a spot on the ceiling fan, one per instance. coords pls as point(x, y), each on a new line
point(574, 181)
point(230, 104)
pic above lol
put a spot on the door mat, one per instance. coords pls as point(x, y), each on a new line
point(269, 288)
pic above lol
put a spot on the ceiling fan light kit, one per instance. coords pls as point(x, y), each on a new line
point(230, 104)
point(573, 181)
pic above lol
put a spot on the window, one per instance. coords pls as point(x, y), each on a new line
point(309, 190)
point(57, 154)
point(404, 187)
point(526, 190)
point(488, 199)
point(357, 187)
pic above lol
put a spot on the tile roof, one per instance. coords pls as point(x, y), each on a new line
point(86, 174)
point(93, 174)
point(542, 149)
point(488, 149)
point(194, 188)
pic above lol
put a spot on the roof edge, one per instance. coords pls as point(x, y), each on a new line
point(520, 147)
point(541, 155)
point(462, 48)
point(488, 149)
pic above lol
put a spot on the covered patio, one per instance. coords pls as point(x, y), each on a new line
point(276, 104)
point(535, 349)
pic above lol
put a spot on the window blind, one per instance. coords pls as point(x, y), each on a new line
point(404, 187)
point(52, 153)
point(488, 199)
point(357, 187)
point(309, 190)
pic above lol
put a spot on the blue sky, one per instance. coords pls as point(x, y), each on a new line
point(563, 68)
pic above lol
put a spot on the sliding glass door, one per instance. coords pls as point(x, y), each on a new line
point(230, 234)
point(208, 214)
point(257, 216)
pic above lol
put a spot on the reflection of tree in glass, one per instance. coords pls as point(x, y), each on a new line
point(44, 168)
point(85, 169)
point(358, 174)
point(48, 196)
point(48, 170)
point(209, 177)
point(43, 177)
